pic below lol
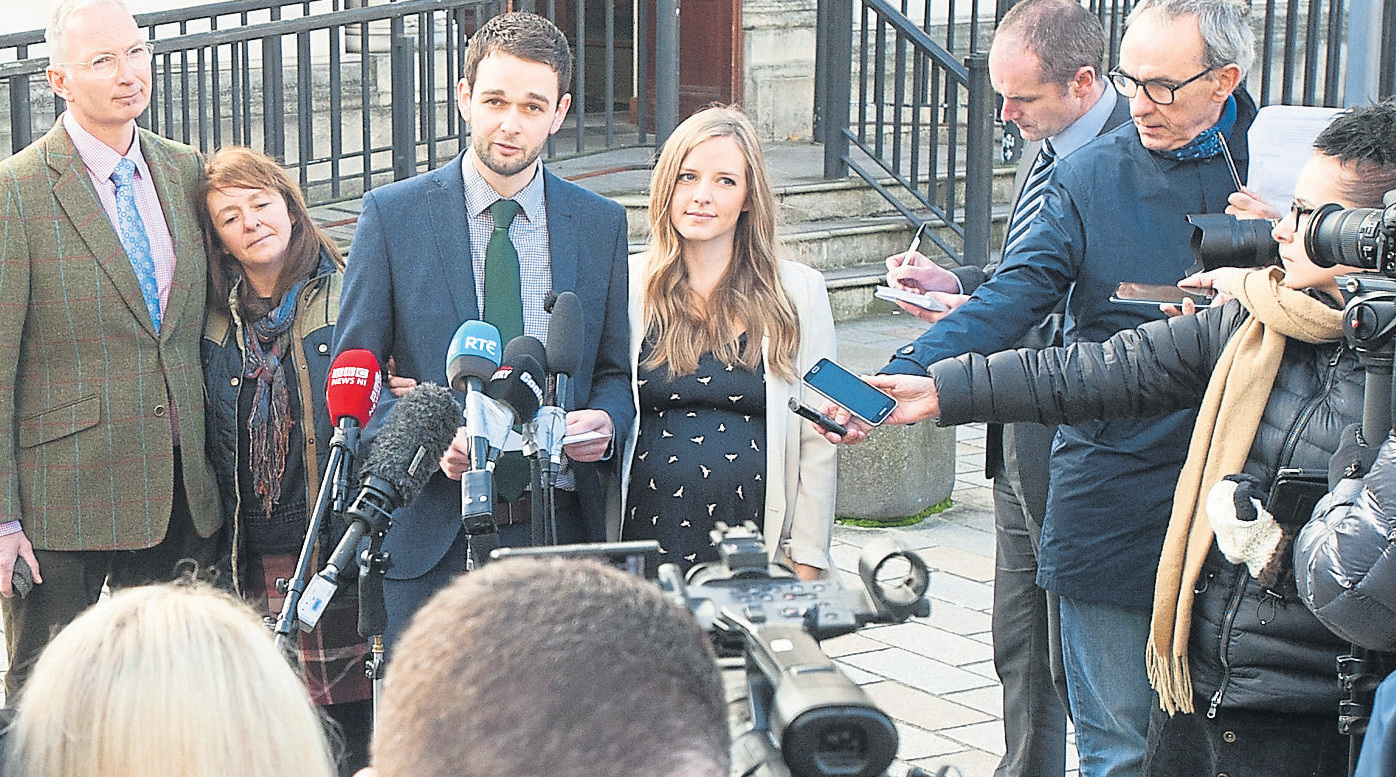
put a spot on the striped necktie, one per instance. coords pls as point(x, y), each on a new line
point(130, 228)
point(1030, 200)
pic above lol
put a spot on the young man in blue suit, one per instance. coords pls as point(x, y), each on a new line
point(417, 270)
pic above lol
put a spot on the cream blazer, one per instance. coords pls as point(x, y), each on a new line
point(799, 513)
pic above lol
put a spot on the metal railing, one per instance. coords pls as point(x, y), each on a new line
point(346, 97)
point(918, 104)
point(922, 120)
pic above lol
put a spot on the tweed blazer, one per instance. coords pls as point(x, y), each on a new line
point(86, 384)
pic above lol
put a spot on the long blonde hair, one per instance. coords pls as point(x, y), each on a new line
point(167, 681)
point(684, 325)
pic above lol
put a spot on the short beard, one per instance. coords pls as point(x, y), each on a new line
point(488, 158)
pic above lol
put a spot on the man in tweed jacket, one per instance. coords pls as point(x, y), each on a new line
point(102, 456)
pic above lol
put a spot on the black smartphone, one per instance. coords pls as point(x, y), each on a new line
point(841, 386)
point(1159, 294)
point(1294, 494)
point(825, 422)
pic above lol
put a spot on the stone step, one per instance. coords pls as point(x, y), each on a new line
point(814, 201)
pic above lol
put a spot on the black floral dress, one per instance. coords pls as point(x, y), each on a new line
point(700, 457)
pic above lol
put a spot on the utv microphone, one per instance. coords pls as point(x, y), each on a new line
point(400, 461)
point(516, 384)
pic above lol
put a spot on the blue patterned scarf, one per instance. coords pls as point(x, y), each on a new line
point(269, 425)
point(1211, 141)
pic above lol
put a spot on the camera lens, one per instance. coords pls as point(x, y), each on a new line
point(1349, 237)
point(1222, 240)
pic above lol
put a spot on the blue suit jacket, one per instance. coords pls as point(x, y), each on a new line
point(409, 285)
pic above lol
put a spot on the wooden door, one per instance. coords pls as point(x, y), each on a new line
point(710, 55)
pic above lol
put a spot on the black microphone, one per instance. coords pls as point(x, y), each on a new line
point(516, 384)
point(400, 461)
point(564, 342)
point(563, 351)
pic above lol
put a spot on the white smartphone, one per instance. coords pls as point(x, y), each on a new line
point(841, 386)
point(923, 301)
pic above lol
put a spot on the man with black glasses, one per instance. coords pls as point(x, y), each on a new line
point(1114, 211)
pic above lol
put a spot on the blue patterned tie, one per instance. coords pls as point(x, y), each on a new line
point(1030, 200)
point(131, 229)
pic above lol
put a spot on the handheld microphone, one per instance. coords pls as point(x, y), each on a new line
point(351, 396)
point(470, 362)
point(563, 351)
point(516, 385)
point(400, 462)
point(564, 342)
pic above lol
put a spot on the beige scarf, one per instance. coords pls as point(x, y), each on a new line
point(1226, 425)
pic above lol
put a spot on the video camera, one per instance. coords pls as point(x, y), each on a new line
point(802, 717)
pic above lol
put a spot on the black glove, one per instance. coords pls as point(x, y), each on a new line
point(1353, 458)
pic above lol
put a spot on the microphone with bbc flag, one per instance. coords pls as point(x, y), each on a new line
point(401, 460)
point(351, 395)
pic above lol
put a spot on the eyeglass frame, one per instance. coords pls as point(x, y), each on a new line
point(1297, 212)
point(1119, 78)
point(116, 60)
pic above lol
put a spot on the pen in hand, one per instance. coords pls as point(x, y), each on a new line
point(915, 242)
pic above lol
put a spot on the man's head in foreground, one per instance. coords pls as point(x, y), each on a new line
point(559, 668)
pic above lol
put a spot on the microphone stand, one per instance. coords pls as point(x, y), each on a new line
point(333, 488)
point(373, 615)
point(541, 435)
point(536, 454)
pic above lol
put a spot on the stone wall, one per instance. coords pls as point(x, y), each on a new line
point(778, 38)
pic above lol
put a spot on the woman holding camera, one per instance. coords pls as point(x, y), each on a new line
point(721, 331)
point(274, 285)
point(1243, 670)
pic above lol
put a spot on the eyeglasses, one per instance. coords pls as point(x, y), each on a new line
point(1298, 212)
point(1157, 92)
point(104, 65)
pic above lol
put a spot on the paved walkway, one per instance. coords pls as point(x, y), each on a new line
point(934, 676)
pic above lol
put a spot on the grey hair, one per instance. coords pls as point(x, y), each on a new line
point(56, 31)
point(1227, 37)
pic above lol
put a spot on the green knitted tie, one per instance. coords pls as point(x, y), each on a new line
point(503, 307)
point(503, 303)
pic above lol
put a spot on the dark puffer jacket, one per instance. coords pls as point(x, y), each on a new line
point(1250, 648)
point(1346, 557)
